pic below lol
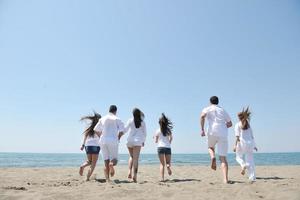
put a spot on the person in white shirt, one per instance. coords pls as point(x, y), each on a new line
point(111, 129)
point(217, 133)
point(91, 145)
point(136, 139)
point(245, 144)
point(163, 138)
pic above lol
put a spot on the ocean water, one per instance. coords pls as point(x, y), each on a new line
point(74, 160)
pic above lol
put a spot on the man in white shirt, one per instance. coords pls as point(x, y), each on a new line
point(217, 133)
point(111, 129)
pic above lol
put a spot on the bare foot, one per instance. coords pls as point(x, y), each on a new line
point(81, 171)
point(134, 179)
point(213, 164)
point(111, 170)
point(169, 170)
point(243, 171)
point(129, 176)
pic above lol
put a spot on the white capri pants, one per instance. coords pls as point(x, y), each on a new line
point(244, 149)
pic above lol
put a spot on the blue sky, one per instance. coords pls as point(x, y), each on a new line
point(60, 60)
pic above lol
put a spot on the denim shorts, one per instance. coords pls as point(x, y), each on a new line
point(92, 149)
point(164, 150)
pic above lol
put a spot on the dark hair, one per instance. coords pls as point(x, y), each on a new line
point(137, 117)
point(214, 100)
point(166, 125)
point(94, 120)
point(244, 116)
point(113, 109)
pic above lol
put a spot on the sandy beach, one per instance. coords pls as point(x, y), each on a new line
point(187, 182)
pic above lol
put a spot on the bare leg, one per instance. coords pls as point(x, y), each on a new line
point(136, 155)
point(130, 150)
point(168, 161)
point(224, 166)
point(162, 166)
point(213, 163)
point(93, 165)
point(85, 164)
point(112, 163)
point(106, 170)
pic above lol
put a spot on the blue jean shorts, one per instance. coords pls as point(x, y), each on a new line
point(92, 149)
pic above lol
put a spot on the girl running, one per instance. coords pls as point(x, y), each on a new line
point(245, 144)
point(135, 141)
point(163, 138)
point(91, 145)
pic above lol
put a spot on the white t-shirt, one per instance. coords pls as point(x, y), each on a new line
point(246, 136)
point(110, 126)
point(163, 141)
point(92, 141)
point(217, 118)
point(137, 135)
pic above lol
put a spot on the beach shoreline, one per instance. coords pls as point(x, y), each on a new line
point(190, 182)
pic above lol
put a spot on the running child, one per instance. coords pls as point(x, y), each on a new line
point(245, 144)
point(91, 145)
point(163, 138)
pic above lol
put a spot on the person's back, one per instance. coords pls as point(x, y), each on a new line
point(136, 134)
point(111, 126)
point(217, 118)
point(163, 141)
point(244, 135)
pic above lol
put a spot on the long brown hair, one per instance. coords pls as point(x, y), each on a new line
point(166, 125)
point(244, 117)
point(94, 120)
point(137, 117)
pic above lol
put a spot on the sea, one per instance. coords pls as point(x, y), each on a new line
point(29, 160)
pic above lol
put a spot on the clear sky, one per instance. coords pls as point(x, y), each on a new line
point(61, 59)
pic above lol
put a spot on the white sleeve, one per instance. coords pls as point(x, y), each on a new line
point(227, 117)
point(252, 137)
point(127, 126)
point(99, 126)
point(144, 131)
point(237, 130)
point(120, 125)
point(205, 110)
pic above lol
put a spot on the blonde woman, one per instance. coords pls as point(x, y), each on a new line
point(245, 144)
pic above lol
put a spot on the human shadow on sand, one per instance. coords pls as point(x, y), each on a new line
point(269, 178)
point(117, 181)
point(182, 180)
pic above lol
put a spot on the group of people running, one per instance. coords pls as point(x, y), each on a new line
point(105, 133)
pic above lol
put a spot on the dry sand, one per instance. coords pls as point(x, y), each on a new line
point(187, 182)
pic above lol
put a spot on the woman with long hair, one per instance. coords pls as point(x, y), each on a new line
point(163, 138)
point(91, 145)
point(135, 141)
point(245, 144)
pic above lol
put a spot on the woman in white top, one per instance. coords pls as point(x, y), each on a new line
point(136, 139)
point(245, 144)
point(91, 145)
point(163, 138)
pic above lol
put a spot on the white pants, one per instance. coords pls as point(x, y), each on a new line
point(247, 151)
point(109, 150)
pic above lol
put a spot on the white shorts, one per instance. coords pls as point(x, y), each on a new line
point(131, 144)
point(110, 150)
point(221, 142)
